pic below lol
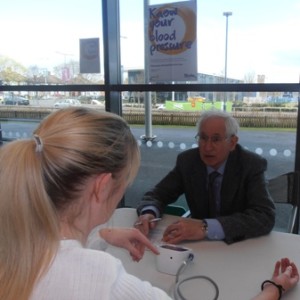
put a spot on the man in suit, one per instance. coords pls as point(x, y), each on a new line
point(232, 206)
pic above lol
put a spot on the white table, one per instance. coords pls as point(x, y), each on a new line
point(238, 269)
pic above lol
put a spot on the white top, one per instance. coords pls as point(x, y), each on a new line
point(78, 273)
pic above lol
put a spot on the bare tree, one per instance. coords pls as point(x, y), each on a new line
point(12, 72)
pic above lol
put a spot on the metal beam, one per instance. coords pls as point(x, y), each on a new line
point(112, 60)
point(192, 87)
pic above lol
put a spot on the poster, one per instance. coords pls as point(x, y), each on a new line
point(89, 55)
point(171, 45)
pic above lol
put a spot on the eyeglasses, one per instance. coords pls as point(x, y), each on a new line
point(214, 139)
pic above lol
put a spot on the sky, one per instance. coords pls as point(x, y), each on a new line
point(262, 34)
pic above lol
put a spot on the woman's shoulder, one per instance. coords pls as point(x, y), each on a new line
point(73, 250)
point(82, 272)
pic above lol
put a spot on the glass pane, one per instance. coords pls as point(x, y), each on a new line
point(40, 41)
point(277, 145)
point(41, 46)
point(255, 44)
point(269, 131)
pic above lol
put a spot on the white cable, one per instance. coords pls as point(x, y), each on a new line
point(177, 292)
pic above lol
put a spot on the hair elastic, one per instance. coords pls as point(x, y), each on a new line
point(278, 286)
point(39, 143)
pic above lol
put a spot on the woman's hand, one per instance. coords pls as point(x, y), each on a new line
point(128, 238)
point(285, 274)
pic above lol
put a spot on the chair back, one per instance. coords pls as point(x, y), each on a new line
point(284, 189)
point(175, 210)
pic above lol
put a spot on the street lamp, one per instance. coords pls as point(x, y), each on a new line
point(226, 14)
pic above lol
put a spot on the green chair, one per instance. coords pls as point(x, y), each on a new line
point(176, 210)
point(285, 190)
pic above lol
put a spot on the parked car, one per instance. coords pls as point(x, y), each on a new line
point(15, 100)
point(97, 102)
point(160, 107)
point(67, 103)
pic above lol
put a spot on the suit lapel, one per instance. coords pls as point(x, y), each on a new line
point(230, 181)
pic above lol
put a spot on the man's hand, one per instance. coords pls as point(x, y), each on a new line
point(143, 223)
point(184, 229)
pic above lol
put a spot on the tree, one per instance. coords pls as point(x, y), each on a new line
point(12, 72)
point(249, 77)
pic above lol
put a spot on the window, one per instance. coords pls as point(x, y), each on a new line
point(39, 60)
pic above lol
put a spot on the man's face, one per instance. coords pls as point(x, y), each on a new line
point(214, 145)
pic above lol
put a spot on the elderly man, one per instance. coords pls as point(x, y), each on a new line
point(224, 185)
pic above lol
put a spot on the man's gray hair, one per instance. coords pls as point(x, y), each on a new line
point(231, 124)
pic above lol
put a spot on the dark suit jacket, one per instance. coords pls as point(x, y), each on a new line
point(247, 209)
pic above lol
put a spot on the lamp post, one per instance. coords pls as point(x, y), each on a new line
point(226, 14)
point(148, 136)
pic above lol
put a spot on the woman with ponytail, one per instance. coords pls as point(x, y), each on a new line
point(54, 189)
